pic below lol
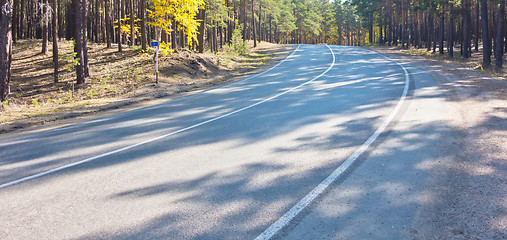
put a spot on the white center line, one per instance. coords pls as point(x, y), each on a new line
point(38, 175)
point(310, 197)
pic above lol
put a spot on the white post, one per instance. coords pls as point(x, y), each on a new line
point(156, 64)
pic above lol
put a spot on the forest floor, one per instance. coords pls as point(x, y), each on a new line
point(116, 79)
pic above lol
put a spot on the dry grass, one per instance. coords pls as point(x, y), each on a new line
point(474, 62)
point(114, 77)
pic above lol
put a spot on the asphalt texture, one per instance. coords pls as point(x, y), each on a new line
point(228, 162)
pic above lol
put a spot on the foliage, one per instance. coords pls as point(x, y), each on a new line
point(71, 59)
point(182, 11)
point(238, 45)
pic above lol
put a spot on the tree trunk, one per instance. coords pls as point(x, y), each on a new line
point(450, 39)
point(500, 35)
point(132, 24)
point(44, 31)
point(486, 41)
point(253, 26)
point(109, 22)
point(202, 29)
point(144, 41)
point(55, 39)
point(85, 39)
point(118, 30)
point(477, 27)
point(467, 29)
point(78, 48)
point(5, 47)
point(15, 20)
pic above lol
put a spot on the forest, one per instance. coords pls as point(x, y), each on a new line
point(440, 26)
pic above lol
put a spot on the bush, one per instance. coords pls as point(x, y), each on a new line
point(237, 42)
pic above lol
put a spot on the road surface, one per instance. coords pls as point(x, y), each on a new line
point(251, 159)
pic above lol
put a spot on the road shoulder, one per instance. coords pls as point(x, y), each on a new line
point(472, 183)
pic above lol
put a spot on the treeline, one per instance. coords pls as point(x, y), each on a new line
point(431, 24)
point(200, 25)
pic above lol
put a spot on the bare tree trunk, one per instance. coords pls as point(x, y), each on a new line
point(118, 31)
point(78, 48)
point(109, 22)
point(253, 26)
point(55, 39)
point(85, 38)
point(500, 35)
point(15, 20)
point(202, 27)
point(450, 39)
point(477, 27)
point(44, 31)
point(132, 29)
point(486, 41)
point(467, 30)
point(144, 41)
point(5, 47)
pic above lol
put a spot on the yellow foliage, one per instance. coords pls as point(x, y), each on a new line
point(182, 11)
point(165, 48)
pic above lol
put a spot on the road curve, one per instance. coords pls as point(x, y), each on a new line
point(222, 164)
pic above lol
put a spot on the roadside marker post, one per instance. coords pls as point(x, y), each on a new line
point(155, 44)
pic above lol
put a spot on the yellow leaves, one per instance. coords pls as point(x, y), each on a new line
point(181, 11)
point(125, 28)
point(165, 48)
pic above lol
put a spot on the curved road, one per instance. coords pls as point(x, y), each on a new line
point(229, 162)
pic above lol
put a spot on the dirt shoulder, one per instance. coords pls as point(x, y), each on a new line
point(118, 82)
point(472, 185)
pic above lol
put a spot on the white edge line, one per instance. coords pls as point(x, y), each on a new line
point(310, 197)
point(38, 175)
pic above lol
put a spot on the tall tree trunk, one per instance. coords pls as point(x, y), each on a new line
point(44, 30)
point(78, 48)
point(144, 41)
point(109, 22)
point(118, 30)
point(486, 41)
point(201, 30)
point(442, 33)
point(15, 20)
point(450, 39)
point(467, 28)
point(253, 26)
point(85, 38)
point(477, 27)
point(5, 47)
point(55, 39)
point(22, 21)
point(132, 24)
point(500, 35)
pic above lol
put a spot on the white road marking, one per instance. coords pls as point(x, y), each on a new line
point(310, 197)
point(31, 177)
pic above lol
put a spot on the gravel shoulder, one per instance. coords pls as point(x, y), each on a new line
point(472, 183)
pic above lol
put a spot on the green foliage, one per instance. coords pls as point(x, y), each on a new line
point(238, 45)
point(71, 59)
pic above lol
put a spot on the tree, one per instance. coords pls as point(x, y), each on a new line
point(54, 26)
point(5, 47)
point(486, 41)
point(499, 44)
point(142, 10)
point(78, 38)
point(181, 11)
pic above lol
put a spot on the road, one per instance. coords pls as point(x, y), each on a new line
point(242, 161)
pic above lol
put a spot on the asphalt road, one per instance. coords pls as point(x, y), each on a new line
point(229, 162)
